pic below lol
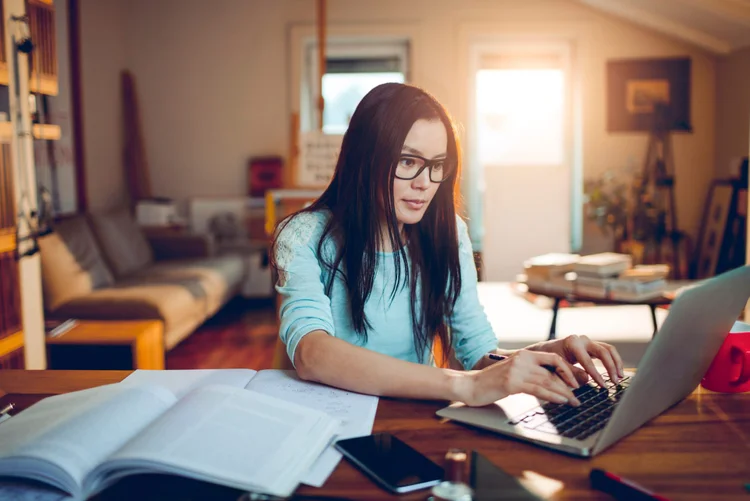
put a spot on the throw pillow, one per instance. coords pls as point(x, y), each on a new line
point(72, 264)
point(124, 245)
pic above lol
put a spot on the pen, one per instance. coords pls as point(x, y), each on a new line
point(621, 488)
point(4, 413)
point(550, 368)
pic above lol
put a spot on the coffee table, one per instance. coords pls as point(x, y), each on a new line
point(572, 297)
point(108, 345)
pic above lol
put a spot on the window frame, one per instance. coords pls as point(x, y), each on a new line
point(341, 47)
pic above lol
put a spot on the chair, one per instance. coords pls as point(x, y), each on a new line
point(280, 358)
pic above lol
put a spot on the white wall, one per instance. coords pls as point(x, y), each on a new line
point(213, 81)
point(732, 110)
point(212, 88)
point(103, 57)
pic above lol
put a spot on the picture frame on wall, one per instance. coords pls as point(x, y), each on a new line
point(716, 214)
point(648, 94)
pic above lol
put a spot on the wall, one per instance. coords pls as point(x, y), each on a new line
point(732, 110)
point(212, 89)
point(103, 56)
point(214, 81)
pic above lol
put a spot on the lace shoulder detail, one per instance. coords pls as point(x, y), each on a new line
point(295, 234)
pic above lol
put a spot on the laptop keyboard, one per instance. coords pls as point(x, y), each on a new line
point(578, 423)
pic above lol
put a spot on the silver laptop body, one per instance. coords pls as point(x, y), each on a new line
point(672, 367)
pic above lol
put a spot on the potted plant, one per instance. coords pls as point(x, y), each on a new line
point(621, 203)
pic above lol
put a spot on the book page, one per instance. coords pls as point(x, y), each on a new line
point(354, 410)
point(17, 490)
point(233, 437)
point(183, 381)
point(76, 431)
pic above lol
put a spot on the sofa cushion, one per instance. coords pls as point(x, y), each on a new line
point(123, 243)
point(218, 277)
point(72, 264)
point(172, 301)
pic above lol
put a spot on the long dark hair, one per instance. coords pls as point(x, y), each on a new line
point(360, 196)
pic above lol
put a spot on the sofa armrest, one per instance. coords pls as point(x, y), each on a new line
point(181, 246)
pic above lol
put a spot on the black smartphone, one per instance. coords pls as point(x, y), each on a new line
point(391, 463)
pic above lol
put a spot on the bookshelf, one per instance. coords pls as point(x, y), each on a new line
point(11, 335)
point(44, 69)
point(43, 79)
point(49, 132)
point(7, 240)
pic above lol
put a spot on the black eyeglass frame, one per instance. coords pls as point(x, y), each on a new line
point(428, 164)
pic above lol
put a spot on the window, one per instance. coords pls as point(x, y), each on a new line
point(353, 68)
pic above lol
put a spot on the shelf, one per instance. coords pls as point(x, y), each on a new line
point(44, 85)
point(7, 240)
point(41, 131)
point(11, 343)
point(47, 131)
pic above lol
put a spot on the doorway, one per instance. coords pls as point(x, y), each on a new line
point(521, 154)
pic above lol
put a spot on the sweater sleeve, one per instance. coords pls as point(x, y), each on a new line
point(471, 331)
point(304, 305)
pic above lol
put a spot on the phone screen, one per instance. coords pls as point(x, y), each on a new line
point(391, 462)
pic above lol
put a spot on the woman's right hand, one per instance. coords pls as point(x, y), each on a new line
point(521, 372)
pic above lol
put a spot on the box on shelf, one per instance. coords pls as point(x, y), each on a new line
point(264, 173)
point(156, 212)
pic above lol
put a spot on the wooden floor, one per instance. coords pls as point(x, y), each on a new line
point(242, 335)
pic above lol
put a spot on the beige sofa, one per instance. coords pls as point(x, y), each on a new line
point(103, 266)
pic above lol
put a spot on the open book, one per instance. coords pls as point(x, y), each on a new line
point(227, 433)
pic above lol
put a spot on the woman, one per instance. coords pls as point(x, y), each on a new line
point(380, 266)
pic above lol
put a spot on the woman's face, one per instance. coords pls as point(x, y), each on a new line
point(427, 139)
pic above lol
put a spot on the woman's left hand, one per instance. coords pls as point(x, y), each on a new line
point(582, 350)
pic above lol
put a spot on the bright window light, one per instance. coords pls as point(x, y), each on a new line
point(520, 117)
point(342, 93)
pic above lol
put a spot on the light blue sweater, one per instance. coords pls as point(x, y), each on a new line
point(305, 307)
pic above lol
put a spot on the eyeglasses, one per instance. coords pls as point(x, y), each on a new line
point(411, 166)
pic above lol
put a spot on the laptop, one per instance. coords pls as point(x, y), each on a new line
point(672, 367)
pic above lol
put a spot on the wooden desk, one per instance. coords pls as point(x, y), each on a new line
point(699, 450)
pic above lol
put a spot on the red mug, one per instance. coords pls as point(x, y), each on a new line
point(730, 370)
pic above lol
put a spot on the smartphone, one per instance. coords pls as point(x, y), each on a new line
point(391, 463)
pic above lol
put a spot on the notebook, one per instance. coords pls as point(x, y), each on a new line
point(205, 426)
point(355, 410)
